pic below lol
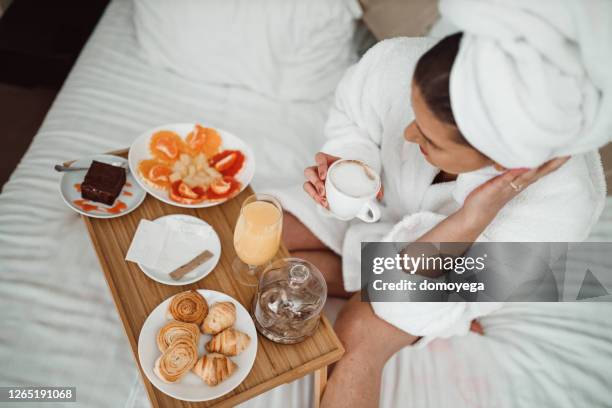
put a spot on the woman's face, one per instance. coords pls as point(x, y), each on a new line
point(440, 142)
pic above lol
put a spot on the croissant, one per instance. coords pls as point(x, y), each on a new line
point(174, 330)
point(221, 316)
point(230, 342)
point(214, 368)
point(180, 357)
point(188, 307)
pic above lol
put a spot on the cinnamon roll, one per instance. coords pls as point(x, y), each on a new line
point(174, 330)
point(180, 357)
point(188, 307)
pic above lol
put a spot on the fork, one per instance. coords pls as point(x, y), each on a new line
point(62, 168)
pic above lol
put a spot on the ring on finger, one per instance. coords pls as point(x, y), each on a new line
point(516, 187)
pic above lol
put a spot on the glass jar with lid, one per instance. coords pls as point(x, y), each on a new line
point(289, 300)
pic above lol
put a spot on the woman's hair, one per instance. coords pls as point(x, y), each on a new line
point(432, 76)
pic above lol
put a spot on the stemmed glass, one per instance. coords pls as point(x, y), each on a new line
point(256, 237)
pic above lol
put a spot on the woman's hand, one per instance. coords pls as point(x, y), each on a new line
point(483, 204)
point(316, 175)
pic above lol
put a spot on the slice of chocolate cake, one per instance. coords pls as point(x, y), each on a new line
point(103, 183)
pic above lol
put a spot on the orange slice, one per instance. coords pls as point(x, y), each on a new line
point(166, 145)
point(205, 140)
point(155, 173)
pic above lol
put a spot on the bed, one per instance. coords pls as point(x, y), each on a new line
point(60, 326)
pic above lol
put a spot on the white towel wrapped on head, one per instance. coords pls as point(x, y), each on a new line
point(532, 79)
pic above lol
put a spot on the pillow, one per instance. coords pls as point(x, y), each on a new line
point(286, 49)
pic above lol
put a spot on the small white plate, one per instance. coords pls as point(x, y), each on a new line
point(132, 194)
point(191, 387)
point(140, 151)
point(213, 244)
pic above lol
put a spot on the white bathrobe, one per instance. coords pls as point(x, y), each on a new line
point(371, 110)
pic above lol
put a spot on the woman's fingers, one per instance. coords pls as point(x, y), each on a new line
point(508, 178)
point(321, 160)
point(381, 193)
point(552, 165)
point(312, 175)
point(312, 192)
point(476, 327)
point(316, 175)
point(533, 175)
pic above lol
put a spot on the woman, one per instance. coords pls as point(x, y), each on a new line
point(438, 187)
point(488, 121)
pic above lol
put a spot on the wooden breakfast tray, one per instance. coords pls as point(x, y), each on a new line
point(136, 295)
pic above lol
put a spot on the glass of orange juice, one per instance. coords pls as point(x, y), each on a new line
point(256, 237)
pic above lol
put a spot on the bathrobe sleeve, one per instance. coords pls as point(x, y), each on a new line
point(428, 320)
point(354, 129)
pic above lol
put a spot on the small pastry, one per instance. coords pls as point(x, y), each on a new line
point(221, 316)
point(230, 342)
point(180, 357)
point(214, 368)
point(188, 307)
point(174, 330)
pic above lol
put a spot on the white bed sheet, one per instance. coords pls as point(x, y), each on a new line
point(60, 326)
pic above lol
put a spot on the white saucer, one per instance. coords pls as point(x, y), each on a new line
point(212, 243)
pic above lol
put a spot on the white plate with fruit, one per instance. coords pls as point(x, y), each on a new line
point(190, 165)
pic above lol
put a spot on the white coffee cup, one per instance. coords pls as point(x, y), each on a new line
point(351, 188)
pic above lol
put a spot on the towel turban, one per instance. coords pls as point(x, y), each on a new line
point(532, 79)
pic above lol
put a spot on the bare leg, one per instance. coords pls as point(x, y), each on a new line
point(330, 266)
point(296, 236)
point(369, 342)
point(302, 243)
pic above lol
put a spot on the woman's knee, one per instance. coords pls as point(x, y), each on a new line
point(354, 324)
point(296, 236)
point(361, 331)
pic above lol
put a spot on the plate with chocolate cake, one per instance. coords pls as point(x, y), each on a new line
point(105, 189)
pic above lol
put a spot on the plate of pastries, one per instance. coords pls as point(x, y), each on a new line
point(191, 165)
point(197, 345)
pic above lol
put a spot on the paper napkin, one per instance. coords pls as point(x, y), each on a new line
point(167, 245)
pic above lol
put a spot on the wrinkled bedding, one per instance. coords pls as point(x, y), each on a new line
point(59, 323)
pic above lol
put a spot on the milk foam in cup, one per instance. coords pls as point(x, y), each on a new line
point(351, 188)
